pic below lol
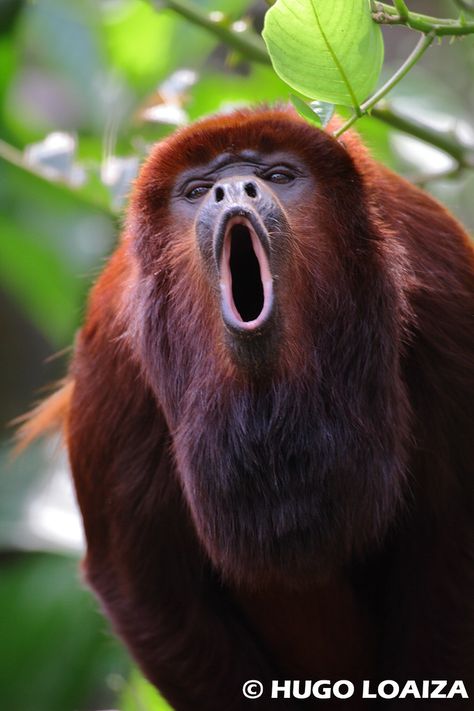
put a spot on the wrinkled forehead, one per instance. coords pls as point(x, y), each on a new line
point(237, 135)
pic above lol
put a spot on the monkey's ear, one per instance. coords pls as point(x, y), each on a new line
point(49, 415)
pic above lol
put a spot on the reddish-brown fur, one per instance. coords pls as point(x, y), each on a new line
point(311, 522)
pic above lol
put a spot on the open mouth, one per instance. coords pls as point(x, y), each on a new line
point(246, 282)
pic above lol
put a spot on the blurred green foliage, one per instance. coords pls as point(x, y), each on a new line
point(55, 650)
point(108, 75)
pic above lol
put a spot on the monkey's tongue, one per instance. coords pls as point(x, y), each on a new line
point(246, 281)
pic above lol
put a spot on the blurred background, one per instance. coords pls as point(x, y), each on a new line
point(86, 86)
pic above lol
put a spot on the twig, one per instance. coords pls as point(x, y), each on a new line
point(448, 142)
point(247, 43)
point(15, 157)
point(421, 47)
point(389, 15)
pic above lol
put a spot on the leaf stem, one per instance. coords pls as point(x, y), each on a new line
point(421, 47)
point(400, 15)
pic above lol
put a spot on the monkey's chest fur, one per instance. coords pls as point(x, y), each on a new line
point(285, 481)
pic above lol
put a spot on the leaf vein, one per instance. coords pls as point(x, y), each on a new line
point(334, 56)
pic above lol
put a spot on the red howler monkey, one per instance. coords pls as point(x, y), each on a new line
point(268, 418)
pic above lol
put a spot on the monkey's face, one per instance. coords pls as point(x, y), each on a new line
point(241, 209)
point(242, 231)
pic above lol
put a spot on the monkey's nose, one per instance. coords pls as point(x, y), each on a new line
point(251, 189)
point(235, 190)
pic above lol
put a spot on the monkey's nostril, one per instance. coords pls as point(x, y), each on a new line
point(219, 194)
point(250, 189)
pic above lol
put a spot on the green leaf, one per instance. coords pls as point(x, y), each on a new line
point(330, 50)
point(53, 636)
point(305, 111)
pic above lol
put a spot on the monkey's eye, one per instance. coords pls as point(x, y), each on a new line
point(197, 192)
point(279, 176)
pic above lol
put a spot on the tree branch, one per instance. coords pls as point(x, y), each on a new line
point(448, 142)
point(15, 157)
point(389, 15)
point(247, 42)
